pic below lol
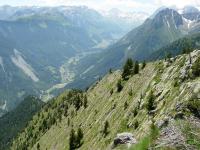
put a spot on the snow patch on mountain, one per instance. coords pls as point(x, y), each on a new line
point(4, 106)
point(1, 63)
point(18, 60)
point(188, 23)
point(167, 22)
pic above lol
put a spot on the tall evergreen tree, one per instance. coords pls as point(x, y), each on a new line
point(127, 69)
point(72, 140)
point(136, 67)
point(119, 86)
point(143, 64)
point(85, 102)
point(150, 103)
point(78, 102)
point(38, 146)
point(106, 128)
point(79, 137)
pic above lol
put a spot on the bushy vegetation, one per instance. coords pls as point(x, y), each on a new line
point(51, 114)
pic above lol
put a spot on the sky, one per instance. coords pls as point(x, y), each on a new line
point(125, 5)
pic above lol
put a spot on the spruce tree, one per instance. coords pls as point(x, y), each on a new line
point(78, 102)
point(119, 86)
point(136, 67)
point(127, 69)
point(106, 128)
point(79, 137)
point(143, 64)
point(38, 146)
point(110, 70)
point(85, 102)
point(150, 103)
point(72, 140)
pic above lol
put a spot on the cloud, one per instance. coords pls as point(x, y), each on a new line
point(178, 3)
point(134, 5)
point(127, 5)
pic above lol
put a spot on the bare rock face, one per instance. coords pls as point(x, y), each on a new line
point(124, 138)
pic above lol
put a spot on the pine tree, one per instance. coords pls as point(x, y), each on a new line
point(127, 69)
point(136, 67)
point(106, 128)
point(143, 64)
point(79, 137)
point(38, 146)
point(110, 70)
point(119, 86)
point(169, 55)
point(190, 58)
point(72, 140)
point(85, 101)
point(78, 103)
point(136, 124)
point(150, 104)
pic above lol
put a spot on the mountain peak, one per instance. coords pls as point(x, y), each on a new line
point(168, 16)
point(190, 9)
point(166, 11)
point(191, 13)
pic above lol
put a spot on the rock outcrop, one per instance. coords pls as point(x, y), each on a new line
point(124, 138)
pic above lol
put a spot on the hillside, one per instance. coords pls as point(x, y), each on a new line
point(178, 47)
point(165, 93)
point(15, 121)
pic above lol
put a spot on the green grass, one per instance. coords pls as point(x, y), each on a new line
point(102, 106)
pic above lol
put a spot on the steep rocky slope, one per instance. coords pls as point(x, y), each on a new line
point(165, 93)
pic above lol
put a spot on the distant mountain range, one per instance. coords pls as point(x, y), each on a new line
point(36, 43)
point(128, 20)
point(44, 50)
point(164, 27)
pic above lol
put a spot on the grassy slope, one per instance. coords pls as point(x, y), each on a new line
point(158, 77)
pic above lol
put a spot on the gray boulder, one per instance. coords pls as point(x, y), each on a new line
point(124, 138)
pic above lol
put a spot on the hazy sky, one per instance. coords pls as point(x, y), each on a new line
point(127, 5)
